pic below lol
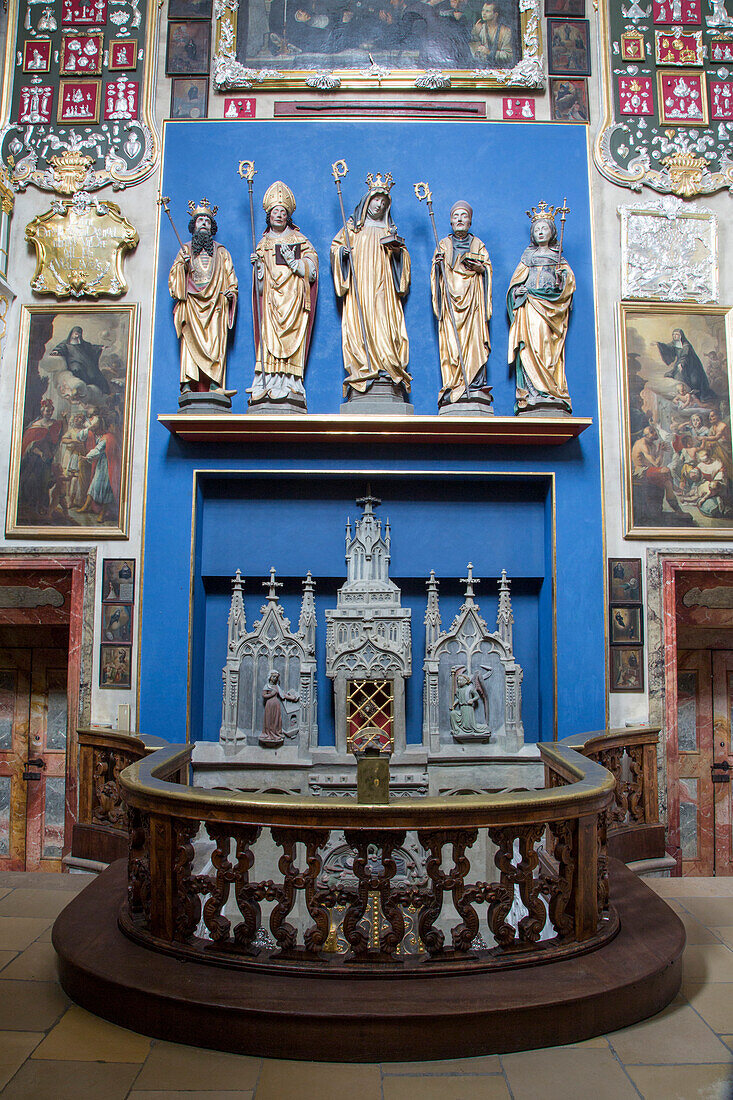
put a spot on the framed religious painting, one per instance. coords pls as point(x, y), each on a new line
point(625, 626)
point(568, 47)
point(624, 580)
point(115, 666)
point(675, 384)
point(569, 100)
point(189, 97)
point(118, 580)
point(626, 672)
point(75, 384)
point(188, 48)
point(428, 45)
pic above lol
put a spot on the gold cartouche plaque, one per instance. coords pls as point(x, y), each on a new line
point(80, 244)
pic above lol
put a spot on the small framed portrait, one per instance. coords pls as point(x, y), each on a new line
point(627, 668)
point(189, 9)
point(565, 7)
point(118, 580)
point(189, 97)
point(115, 666)
point(122, 55)
point(624, 580)
point(37, 57)
point(81, 54)
point(568, 47)
point(117, 623)
point(569, 100)
point(78, 101)
point(188, 48)
point(626, 626)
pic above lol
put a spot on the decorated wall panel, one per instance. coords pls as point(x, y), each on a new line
point(82, 85)
point(505, 172)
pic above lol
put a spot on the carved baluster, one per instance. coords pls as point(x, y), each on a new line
point(611, 759)
point(603, 886)
point(315, 936)
point(463, 934)
point(432, 902)
point(285, 933)
point(561, 889)
point(530, 926)
point(356, 937)
point(503, 894)
point(218, 925)
point(391, 937)
point(138, 864)
point(248, 895)
point(186, 902)
point(635, 786)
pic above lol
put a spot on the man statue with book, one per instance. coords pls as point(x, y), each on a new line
point(286, 283)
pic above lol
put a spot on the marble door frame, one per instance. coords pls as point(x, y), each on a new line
point(80, 566)
point(663, 570)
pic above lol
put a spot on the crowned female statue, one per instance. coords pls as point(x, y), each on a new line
point(539, 300)
point(286, 283)
point(373, 333)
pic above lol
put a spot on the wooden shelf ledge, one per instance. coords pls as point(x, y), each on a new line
point(358, 428)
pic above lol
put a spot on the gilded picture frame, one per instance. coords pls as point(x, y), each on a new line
point(674, 364)
point(442, 48)
point(71, 442)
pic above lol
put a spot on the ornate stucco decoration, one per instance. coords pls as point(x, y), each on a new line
point(80, 244)
point(39, 127)
point(635, 147)
point(229, 73)
point(669, 251)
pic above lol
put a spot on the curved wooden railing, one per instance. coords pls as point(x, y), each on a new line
point(501, 880)
point(630, 754)
point(100, 832)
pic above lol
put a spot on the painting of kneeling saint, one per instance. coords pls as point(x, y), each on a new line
point(398, 34)
point(69, 461)
point(678, 460)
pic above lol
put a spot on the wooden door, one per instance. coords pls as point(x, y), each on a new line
point(46, 800)
point(15, 698)
point(722, 760)
point(704, 702)
point(33, 733)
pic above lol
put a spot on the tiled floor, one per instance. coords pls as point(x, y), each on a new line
point(52, 1050)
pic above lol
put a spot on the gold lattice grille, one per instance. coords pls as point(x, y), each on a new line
point(370, 715)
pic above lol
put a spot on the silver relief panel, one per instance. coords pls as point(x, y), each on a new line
point(669, 251)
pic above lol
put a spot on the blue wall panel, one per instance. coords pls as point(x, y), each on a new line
point(295, 523)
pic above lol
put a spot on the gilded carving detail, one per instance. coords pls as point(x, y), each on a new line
point(80, 244)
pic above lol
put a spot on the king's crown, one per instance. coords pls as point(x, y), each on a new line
point(543, 212)
point(376, 183)
point(203, 208)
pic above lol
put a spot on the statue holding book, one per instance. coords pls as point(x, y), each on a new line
point(286, 283)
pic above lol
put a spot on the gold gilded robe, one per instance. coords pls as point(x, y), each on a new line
point(470, 293)
point(287, 305)
point(203, 314)
point(384, 320)
point(537, 336)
